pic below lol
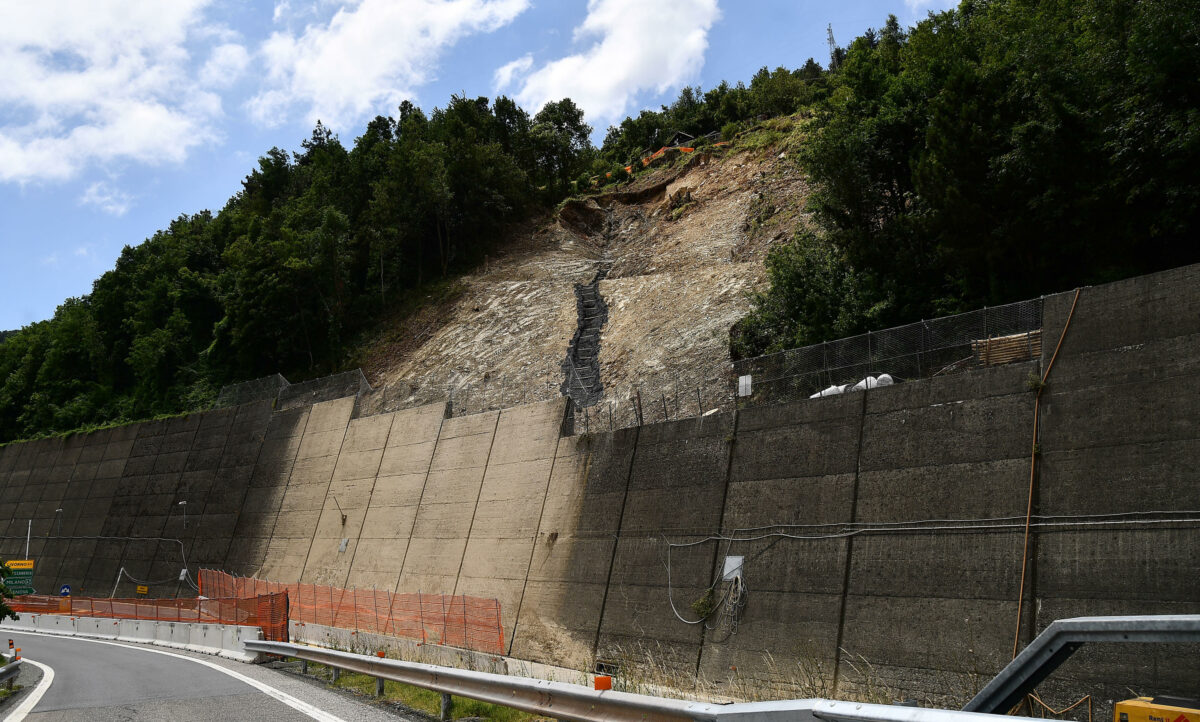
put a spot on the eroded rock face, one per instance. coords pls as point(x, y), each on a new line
point(676, 282)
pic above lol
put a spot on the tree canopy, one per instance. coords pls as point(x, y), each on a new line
point(294, 265)
point(993, 152)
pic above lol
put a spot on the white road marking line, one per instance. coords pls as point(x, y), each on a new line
point(35, 696)
point(295, 703)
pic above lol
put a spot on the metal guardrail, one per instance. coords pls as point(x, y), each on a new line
point(564, 701)
point(10, 670)
point(1060, 640)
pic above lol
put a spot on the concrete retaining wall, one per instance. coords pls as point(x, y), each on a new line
point(600, 547)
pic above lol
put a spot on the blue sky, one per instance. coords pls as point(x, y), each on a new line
point(117, 116)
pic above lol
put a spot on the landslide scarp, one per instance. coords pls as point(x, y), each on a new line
point(619, 291)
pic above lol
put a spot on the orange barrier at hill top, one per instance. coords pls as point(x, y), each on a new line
point(268, 611)
point(451, 620)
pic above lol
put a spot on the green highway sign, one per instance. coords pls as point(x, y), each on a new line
point(20, 576)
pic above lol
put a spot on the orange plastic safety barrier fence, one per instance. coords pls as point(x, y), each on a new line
point(682, 149)
point(269, 611)
point(451, 620)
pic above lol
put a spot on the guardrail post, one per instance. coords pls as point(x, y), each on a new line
point(379, 686)
point(447, 704)
point(337, 674)
point(304, 666)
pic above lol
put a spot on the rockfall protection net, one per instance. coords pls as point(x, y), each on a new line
point(268, 611)
point(937, 347)
point(450, 620)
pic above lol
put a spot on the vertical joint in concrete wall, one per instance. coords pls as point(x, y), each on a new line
point(512, 639)
point(568, 422)
point(841, 620)
point(717, 561)
point(478, 495)
point(637, 435)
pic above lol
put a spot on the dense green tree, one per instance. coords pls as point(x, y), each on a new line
point(294, 265)
point(560, 141)
point(1001, 150)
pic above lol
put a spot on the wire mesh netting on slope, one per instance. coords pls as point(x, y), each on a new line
point(937, 347)
point(925, 349)
point(445, 619)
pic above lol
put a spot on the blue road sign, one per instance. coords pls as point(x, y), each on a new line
point(65, 591)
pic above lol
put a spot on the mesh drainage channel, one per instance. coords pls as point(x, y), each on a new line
point(581, 367)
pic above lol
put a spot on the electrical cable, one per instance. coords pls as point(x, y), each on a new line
point(848, 530)
point(135, 580)
point(734, 597)
point(121, 571)
point(963, 521)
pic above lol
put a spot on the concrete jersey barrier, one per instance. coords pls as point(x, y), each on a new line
point(222, 640)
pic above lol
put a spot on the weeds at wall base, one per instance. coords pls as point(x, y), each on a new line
point(415, 699)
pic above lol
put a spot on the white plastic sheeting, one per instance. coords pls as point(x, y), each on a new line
point(869, 382)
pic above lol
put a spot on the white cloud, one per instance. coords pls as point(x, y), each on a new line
point(95, 81)
point(635, 46)
point(225, 65)
point(915, 6)
point(368, 57)
point(104, 197)
point(504, 75)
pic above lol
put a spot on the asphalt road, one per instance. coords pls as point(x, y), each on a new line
point(112, 681)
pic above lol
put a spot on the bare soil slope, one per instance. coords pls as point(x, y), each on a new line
point(685, 245)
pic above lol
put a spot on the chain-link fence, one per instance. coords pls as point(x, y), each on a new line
point(287, 395)
point(464, 397)
point(987, 337)
point(267, 387)
point(652, 403)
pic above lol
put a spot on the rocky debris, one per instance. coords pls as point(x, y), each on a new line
point(672, 289)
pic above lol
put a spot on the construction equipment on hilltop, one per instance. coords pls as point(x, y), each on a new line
point(1157, 709)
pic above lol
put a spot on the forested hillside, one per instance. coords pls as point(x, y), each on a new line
point(996, 151)
point(305, 254)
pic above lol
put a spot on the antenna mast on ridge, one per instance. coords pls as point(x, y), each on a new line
point(833, 54)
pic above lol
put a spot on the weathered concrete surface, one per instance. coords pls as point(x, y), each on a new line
point(511, 499)
point(565, 591)
point(403, 465)
point(801, 458)
point(682, 467)
point(951, 453)
point(1120, 434)
point(447, 507)
point(297, 529)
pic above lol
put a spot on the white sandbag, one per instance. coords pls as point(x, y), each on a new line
point(867, 383)
point(831, 391)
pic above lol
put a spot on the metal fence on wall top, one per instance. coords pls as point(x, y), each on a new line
point(940, 346)
point(935, 347)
